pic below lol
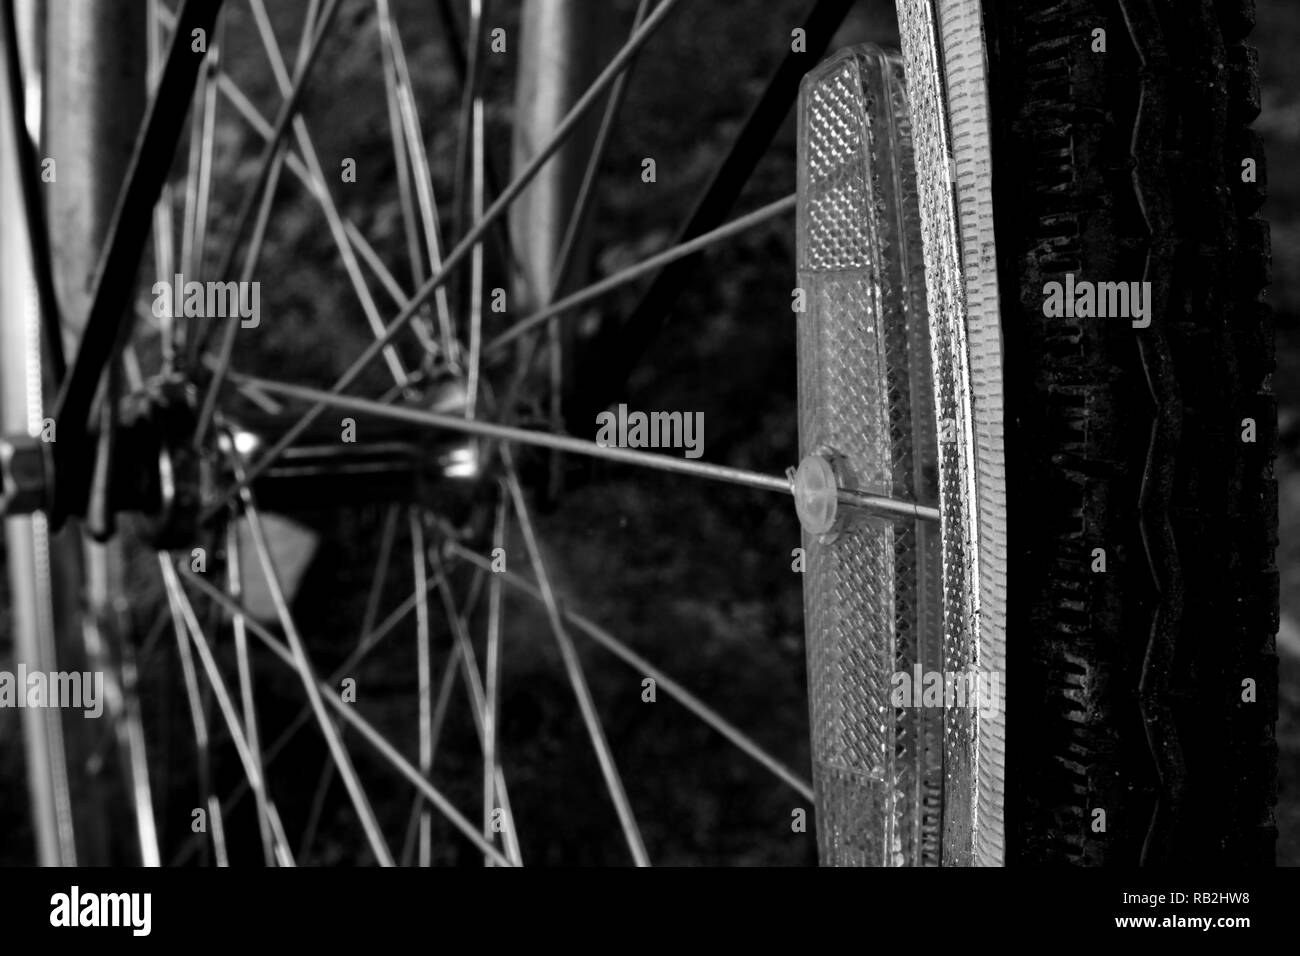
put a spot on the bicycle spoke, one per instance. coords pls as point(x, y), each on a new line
point(264, 402)
point(561, 133)
point(619, 353)
point(317, 807)
point(476, 262)
point(397, 134)
point(758, 216)
point(455, 47)
point(424, 668)
point(878, 505)
point(445, 687)
point(462, 655)
point(573, 666)
point(154, 636)
point(231, 330)
point(369, 641)
point(670, 686)
point(363, 726)
point(367, 644)
point(508, 832)
point(418, 158)
point(467, 658)
point(135, 376)
point(371, 258)
point(263, 188)
point(131, 368)
point(112, 646)
point(132, 729)
point(234, 583)
point(310, 43)
point(469, 154)
point(387, 540)
point(269, 162)
point(202, 142)
point(289, 88)
point(164, 265)
point(197, 716)
point(245, 108)
point(492, 678)
point(224, 702)
point(308, 151)
point(469, 94)
point(586, 189)
point(303, 665)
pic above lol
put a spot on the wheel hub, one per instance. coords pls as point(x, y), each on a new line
point(149, 466)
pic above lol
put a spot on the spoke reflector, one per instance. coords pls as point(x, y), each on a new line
point(872, 587)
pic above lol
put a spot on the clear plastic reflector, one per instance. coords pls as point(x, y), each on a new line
point(873, 587)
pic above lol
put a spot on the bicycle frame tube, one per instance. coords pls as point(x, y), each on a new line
point(27, 536)
point(94, 97)
point(124, 242)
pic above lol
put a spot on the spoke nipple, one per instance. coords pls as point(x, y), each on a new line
point(816, 493)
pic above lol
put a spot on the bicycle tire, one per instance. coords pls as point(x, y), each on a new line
point(1143, 593)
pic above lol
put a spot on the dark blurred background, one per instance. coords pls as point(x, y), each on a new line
point(1278, 37)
